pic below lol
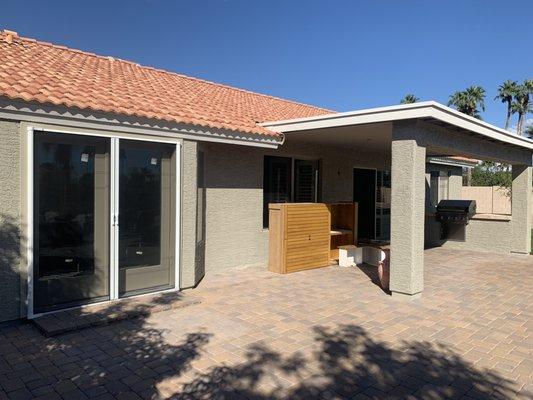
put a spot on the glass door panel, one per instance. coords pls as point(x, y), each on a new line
point(383, 204)
point(71, 220)
point(146, 195)
point(364, 185)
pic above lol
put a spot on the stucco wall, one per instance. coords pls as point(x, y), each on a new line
point(455, 181)
point(232, 223)
point(482, 235)
point(407, 216)
point(9, 220)
point(234, 195)
point(192, 265)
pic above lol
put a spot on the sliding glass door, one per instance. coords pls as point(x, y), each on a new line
point(103, 219)
point(71, 220)
point(145, 217)
point(372, 191)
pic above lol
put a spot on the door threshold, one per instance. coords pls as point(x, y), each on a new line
point(68, 320)
point(100, 303)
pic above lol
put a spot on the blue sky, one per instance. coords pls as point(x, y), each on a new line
point(342, 55)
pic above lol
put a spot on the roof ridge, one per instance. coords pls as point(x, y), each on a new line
point(160, 70)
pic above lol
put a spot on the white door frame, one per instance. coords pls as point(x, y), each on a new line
point(113, 216)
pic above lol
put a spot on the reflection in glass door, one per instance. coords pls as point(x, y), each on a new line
point(146, 196)
point(71, 220)
point(383, 204)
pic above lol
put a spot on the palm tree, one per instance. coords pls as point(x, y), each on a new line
point(506, 92)
point(521, 104)
point(469, 100)
point(529, 131)
point(409, 99)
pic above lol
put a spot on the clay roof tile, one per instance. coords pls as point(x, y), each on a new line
point(46, 73)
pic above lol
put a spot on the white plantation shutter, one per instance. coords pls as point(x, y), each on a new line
point(276, 183)
point(305, 181)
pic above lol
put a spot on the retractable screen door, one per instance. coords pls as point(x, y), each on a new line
point(71, 220)
point(146, 214)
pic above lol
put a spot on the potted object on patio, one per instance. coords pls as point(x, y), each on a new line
point(384, 269)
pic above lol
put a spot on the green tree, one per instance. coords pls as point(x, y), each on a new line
point(522, 103)
point(409, 99)
point(489, 173)
point(506, 93)
point(468, 101)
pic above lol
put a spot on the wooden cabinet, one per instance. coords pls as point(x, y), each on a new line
point(299, 236)
point(343, 226)
point(307, 235)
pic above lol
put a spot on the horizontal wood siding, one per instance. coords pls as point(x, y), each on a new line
point(299, 236)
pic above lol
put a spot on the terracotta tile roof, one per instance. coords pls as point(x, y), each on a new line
point(37, 71)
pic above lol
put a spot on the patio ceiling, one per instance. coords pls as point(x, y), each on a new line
point(377, 136)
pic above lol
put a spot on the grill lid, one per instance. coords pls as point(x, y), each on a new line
point(468, 206)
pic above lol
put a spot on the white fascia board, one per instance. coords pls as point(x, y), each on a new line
point(452, 162)
point(427, 109)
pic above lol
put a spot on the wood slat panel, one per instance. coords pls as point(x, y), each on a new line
point(300, 234)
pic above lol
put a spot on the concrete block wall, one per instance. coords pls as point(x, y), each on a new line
point(489, 199)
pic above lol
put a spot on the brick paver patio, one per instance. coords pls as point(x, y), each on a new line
point(328, 333)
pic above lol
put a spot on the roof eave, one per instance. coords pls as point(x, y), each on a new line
point(427, 109)
point(34, 112)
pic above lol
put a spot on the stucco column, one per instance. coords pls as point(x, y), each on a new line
point(521, 210)
point(189, 190)
point(407, 217)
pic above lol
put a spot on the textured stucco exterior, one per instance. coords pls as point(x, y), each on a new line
point(10, 222)
point(191, 265)
point(407, 215)
point(455, 182)
point(221, 222)
point(449, 141)
point(521, 209)
point(234, 187)
point(480, 235)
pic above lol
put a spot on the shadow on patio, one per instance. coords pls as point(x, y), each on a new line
point(133, 359)
point(136, 359)
point(348, 361)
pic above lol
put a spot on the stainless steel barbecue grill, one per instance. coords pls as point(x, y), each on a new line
point(455, 211)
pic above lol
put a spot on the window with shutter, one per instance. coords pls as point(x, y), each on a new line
point(277, 183)
point(305, 181)
point(282, 184)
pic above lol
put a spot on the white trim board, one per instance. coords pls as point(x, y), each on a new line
point(427, 109)
point(451, 162)
point(29, 219)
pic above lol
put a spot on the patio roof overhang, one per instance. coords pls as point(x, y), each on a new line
point(411, 135)
point(373, 127)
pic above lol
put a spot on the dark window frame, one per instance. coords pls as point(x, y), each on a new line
point(270, 196)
